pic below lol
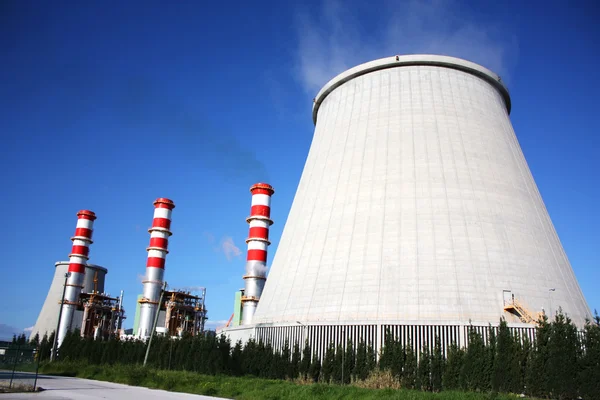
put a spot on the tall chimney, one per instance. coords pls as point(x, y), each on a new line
point(77, 262)
point(155, 266)
point(258, 241)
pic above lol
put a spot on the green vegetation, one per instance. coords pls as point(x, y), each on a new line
point(243, 388)
point(560, 363)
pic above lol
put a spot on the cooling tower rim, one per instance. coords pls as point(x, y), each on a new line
point(91, 266)
point(412, 60)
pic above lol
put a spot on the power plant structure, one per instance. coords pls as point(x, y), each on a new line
point(416, 215)
point(258, 242)
point(76, 296)
point(178, 311)
point(77, 299)
point(76, 273)
point(247, 299)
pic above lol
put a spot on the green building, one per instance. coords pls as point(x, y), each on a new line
point(136, 320)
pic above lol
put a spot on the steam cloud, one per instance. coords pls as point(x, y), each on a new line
point(256, 269)
point(229, 248)
point(330, 40)
point(226, 246)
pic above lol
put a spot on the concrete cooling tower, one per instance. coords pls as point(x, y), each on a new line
point(48, 317)
point(416, 214)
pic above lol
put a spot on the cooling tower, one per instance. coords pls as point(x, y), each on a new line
point(48, 317)
point(416, 213)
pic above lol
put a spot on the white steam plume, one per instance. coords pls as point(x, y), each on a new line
point(256, 269)
point(229, 248)
point(332, 39)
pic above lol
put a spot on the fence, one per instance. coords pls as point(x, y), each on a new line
point(15, 357)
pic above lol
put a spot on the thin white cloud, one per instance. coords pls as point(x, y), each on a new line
point(209, 237)
point(332, 39)
point(229, 248)
point(28, 329)
point(226, 246)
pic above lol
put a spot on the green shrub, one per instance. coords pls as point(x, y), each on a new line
point(136, 375)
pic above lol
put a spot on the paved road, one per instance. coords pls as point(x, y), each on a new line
point(65, 388)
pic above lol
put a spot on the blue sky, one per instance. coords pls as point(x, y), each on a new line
point(109, 105)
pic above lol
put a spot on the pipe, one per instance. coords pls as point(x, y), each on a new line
point(120, 317)
point(203, 315)
point(86, 315)
point(77, 262)
point(258, 241)
point(155, 266)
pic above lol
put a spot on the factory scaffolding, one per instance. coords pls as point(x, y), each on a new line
point(184, 312)
point(102, 315)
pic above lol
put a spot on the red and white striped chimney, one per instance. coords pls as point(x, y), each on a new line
point(258, 241)
point(77, 262)
point(155, 266)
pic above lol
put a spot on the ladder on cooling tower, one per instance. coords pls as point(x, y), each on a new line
point(516, 308)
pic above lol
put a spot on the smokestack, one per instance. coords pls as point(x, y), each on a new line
point(77, 262)
point(155, 266)
point(258, 241)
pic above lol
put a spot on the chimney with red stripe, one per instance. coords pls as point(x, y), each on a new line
point(155, 266)
point(77, 262)
point(258, 241)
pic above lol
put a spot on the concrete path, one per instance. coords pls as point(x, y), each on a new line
point(65, 388)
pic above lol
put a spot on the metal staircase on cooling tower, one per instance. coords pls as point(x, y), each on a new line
point(516, 308)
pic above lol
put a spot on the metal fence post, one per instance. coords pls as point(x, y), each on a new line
point(37, 367)
point(155, 322)
point(14, 366)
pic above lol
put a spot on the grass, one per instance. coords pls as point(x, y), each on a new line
point(243, 388)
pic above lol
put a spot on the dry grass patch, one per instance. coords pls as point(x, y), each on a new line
point(15, 388)
point(378, 379)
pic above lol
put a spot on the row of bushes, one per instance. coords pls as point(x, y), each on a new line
point(252, 388)
point(560, 363)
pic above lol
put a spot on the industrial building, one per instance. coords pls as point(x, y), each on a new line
point(78, 300)
point(179, 311)
point(416, 215)
point(77, 295)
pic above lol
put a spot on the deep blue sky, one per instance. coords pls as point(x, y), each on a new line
point(109, 105)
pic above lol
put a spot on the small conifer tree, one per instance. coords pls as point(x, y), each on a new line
point(295, 364)
point(423, 381)
point(437, 366)
point(589, 369)
point(328, 364)
point(306, 360)
point(409, 373)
